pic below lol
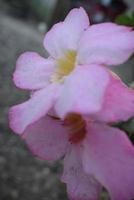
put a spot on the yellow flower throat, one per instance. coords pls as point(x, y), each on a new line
point(65, 66)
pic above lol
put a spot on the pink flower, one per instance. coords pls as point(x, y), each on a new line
point(74, 77)
point(96, 155)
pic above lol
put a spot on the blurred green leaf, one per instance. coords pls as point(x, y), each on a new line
point(132, 85)
point(125, 19)
point(128, 127)
point(133, 14)
point(104, 195)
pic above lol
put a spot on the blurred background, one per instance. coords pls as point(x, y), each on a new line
point(23, 24)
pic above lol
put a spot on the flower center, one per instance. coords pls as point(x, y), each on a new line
point(77, 127)
point(65, 66)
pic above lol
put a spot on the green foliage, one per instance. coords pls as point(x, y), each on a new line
point(128, 127)
point(132, 85)
point(125, 19)
point(43, 8)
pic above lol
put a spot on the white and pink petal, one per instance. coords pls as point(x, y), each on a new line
point(47, 138)
point(65, 35)
point(33, 71)
point(80, 186)
point(118, 102)
point(109, 156)
point(83, 91)
point(24, 114)
point(107, 44)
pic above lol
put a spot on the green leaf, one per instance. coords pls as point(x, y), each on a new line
point(125, 19)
